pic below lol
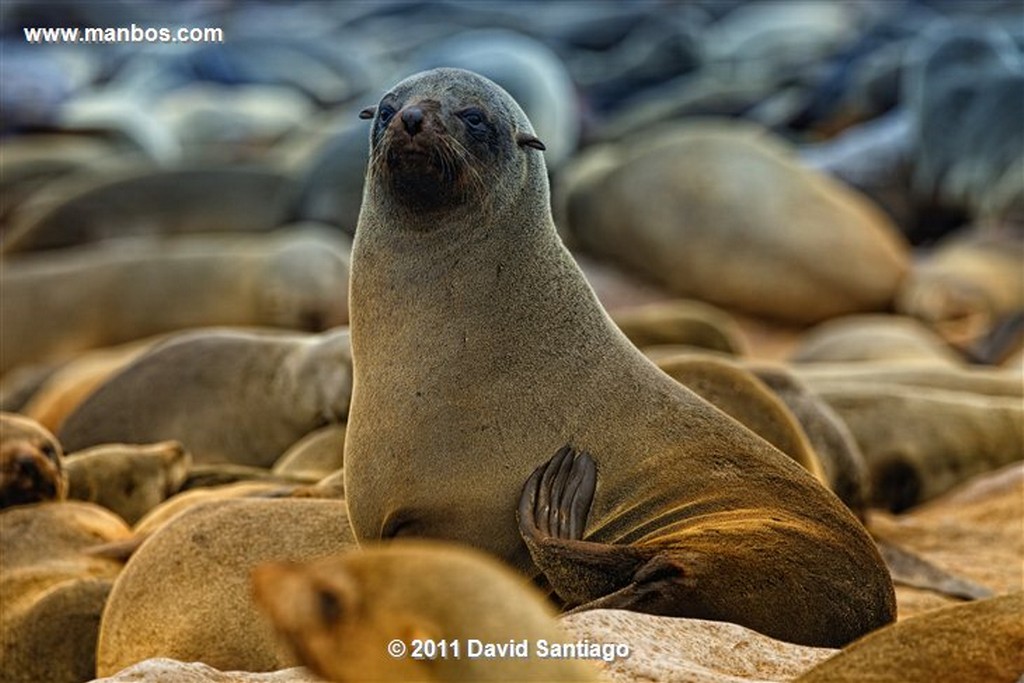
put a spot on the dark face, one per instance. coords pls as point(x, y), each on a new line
point(431, 158)
point(440, 141)
point(30, 470)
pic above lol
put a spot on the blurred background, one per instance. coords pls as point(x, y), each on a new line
point(915, 105)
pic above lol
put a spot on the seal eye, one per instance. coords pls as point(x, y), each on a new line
point(474, 118)
point(384, 114)
point(50, 452)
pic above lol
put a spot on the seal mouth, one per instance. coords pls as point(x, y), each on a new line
point(425, 172)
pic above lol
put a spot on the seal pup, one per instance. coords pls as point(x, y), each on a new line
point(31, 467)
point(128, 479)
point(227, 396)
point(479, 350)
point(339, 613)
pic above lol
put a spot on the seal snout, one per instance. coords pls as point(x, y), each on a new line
point(28, 476)
point(412, 119)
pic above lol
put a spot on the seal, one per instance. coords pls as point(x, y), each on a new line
point(52, 588)
point(666, 204)
point(972, 379)
point(841, 459)
point(227, 396)
point(202, 558)
point(317, 454)
point(340, 614)
point(987, 637)
point(862, 338)
point(31, 468)
point(66, 387)
point(919, 442)
point(966, 286)
point(185, 500)
point(294, 278)
point(479, 350)
point(128, 479)
point(98, 205)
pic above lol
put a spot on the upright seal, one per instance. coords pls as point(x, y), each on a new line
point(480, 350)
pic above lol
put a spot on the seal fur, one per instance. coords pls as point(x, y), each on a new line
point(479, 350)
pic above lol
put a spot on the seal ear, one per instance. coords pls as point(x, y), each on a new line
point(368, 113)
point(527, 140)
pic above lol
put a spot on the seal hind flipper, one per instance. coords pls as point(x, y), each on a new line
point(650, 586)
point(552, 515)
point(910, 569)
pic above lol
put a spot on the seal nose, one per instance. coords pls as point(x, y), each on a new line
point(412, 118)
point(25, 461)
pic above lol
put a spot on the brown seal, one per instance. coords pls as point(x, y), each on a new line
point(480, 349)
point(31, 470)
point(122, 290)
point(128, 479)
point(966, 286)
point(719, 210)
point(185, 593)
point(682, 322)
point(71, 383)
point(980, 642)
point(920, 442)
point(317, 454)
point(52, 588)
point(339, 615)
point(109, 203)
point(878, 337)
point(226, 395)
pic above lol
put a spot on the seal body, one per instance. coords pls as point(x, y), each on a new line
point(124, 290)
point(479, 349)
point(987, 638)
point(226, 395)
point(201, 560)
point(52, 588)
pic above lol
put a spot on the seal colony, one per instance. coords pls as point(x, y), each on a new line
point(480, 351)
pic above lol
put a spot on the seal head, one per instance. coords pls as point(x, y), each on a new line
point(31, 468)
point(438, 145)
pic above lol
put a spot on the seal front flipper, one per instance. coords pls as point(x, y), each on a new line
point(552, 514)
